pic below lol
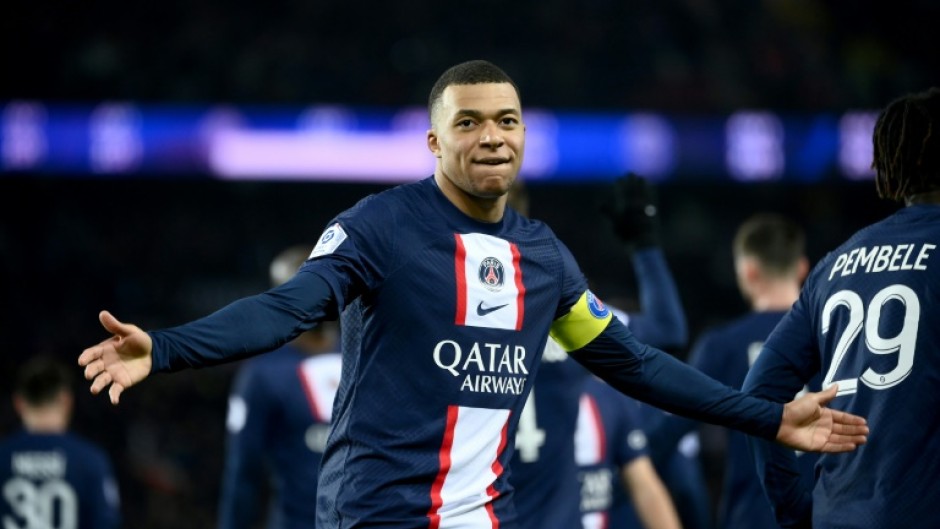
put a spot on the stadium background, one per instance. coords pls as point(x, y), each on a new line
point(162, 249)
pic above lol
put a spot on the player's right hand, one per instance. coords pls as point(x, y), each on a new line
point(121, 361)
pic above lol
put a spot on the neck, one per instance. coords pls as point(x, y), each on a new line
point(483, 209)
point(774, 296)
point(930, 197)
point(45, 420)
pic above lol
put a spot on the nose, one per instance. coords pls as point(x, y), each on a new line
point(491, 136)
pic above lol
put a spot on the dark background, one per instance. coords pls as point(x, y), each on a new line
point(162, 251)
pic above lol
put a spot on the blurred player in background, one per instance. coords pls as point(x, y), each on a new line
point(457, 296)
point(633, 210)
point(868, 320)
point(278, 420)
point(51, 478)
point(613, 461)
point(549, 485)
point(770, 264)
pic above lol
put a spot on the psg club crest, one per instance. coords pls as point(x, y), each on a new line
point(596, 306)
point(491, 273)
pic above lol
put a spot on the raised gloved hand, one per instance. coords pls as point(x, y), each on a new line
point(632, 208)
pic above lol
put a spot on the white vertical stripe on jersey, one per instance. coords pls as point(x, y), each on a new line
point(478, 300)
point(589, 438)
point(320, 378)
point(469, 454)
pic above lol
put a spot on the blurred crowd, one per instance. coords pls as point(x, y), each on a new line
point(674, 55)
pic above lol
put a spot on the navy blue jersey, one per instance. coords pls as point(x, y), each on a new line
point(868, 319)
point(278, 421)
point(679, 466)
point(455, 314)
point(56, 481)
point(726, 353)
point(469, 367)
point(609, 437)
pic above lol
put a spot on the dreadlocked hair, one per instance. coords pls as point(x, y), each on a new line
point(906, 145)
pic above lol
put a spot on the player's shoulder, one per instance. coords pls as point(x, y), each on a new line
point(403, 196)
point(527, 227)
point(912, 226)
point(81, 449)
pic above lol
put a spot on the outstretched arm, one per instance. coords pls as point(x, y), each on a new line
point(653, 376)
point(249, 326)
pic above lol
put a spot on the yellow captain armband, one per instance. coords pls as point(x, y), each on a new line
point(587, 318)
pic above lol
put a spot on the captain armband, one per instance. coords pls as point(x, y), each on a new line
point(586, 320)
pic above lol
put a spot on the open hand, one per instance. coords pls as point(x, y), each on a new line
point(120, 361)
point(810, 426)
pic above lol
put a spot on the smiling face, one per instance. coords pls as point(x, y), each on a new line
point(478, 138)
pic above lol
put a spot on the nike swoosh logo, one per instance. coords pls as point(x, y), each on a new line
point(483, 311)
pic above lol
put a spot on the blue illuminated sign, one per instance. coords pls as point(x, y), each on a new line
point(335, 143)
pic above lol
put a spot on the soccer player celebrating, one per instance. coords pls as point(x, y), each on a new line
point(867, 321)
point(456, 295)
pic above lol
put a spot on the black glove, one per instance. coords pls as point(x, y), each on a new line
point(632, 208)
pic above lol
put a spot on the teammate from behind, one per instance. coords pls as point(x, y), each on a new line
point(612, 457)
point(770, 265)
point(867, 321)
point(278, 420)
point(49, 477)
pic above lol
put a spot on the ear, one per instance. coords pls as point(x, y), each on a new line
point(434, 144)
point(802, 269)
point(747, 272)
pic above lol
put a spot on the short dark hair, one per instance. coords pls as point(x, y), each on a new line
point(906, 145)
point(477, 71)
point(775, 241)
point(41, 379)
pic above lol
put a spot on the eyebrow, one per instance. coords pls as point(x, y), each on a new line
point(479, 115)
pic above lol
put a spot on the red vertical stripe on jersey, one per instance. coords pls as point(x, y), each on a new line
point(307, 384)
point(599, 428)
point(520, 298)
point(498, 471)
point(460, 257)
point(444, 455)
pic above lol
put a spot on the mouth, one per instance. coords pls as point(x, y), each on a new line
point(491, 161)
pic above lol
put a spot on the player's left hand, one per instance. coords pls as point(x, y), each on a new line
point(810, 426)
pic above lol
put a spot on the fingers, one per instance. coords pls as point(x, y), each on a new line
point(89, 355)
point(835, 448)
point(844, 419)
point(825, 396)
point(115, 393)
point(112, 324)
point(93, 368)
point(101, 381)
